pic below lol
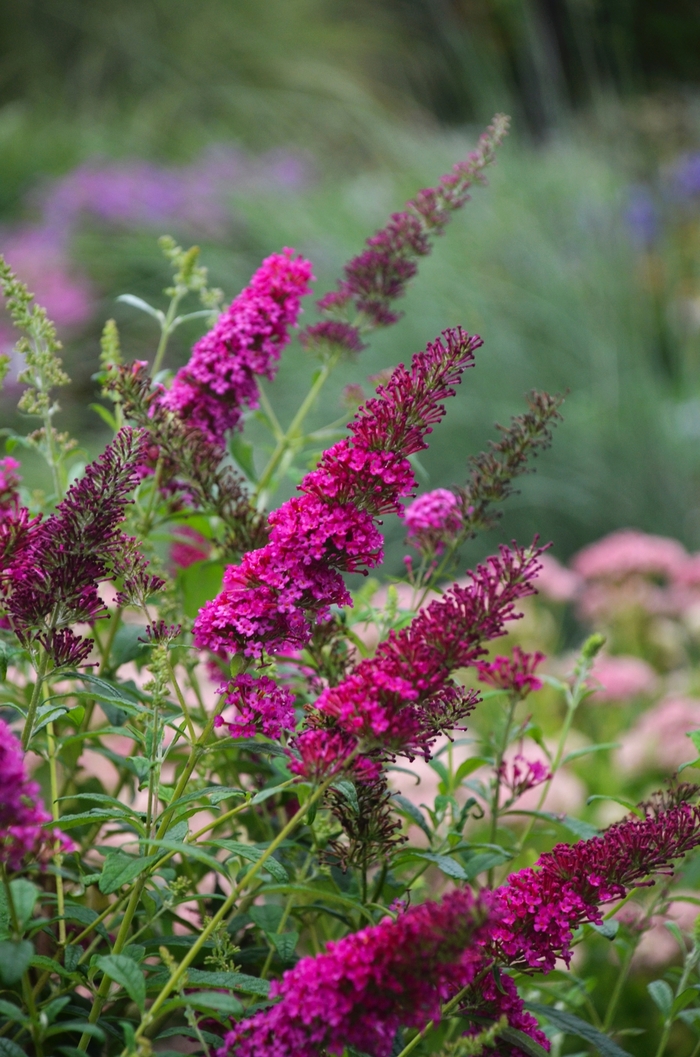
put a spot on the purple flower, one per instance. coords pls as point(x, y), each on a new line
point(362, 988)
point(52, 569)
point(402, 698)
point(218, 383)
point(263, 707)
point(434, 520)
point(378, 276)
point(276, 592)
point(9, 483)
point(515, 674)
point(23, 819)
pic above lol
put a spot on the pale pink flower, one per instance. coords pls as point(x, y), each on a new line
point(658, 739)
point(621, 678)
point(628, 552)
point(556, 582)
point(657, 946)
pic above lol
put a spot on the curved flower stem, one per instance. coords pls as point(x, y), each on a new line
point(178, 974)
point(166, 329)
point(286, 441)
point(181, 700)
point(41, 671)
point(500, 754)
point(444, 1012)
point(57, 855)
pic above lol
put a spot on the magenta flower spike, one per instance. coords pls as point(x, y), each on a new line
point(214, 388)
point(275, 593)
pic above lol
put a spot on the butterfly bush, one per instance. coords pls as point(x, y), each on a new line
point(287, 815)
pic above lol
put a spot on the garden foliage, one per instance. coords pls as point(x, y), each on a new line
point(230, 853)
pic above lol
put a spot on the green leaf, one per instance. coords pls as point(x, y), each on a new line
point(242, 451)
point(662, 995)
point(347, 789)
point(47, 714)
point(468, 767)
point(573, 1025)
point(694, 736)
point(10, 1049)
point(189, 851)
point(248, 985)
point(252, 853)
point(13, 1013)
point(265, 794)
point(579, 828)
point(143, 306)
point(619, 800)
point(587, 749)
point(484, 861)
point(215, 1000)
point(523, 1042)
point(128, 644)
point(267, 917)
point(609, 929)
point(72, 956)
point(106, 416)
point(127, 973)
point(82, 1026)
point(409, 809)
point(119, 869)
point(24, 897)
point(684, 999)
point(200, 582)
point(40, 961)
point(15, 956)
point(285, 944)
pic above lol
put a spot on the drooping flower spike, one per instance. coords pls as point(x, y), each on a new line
point(276, 592)
point(362, 988)
point(52, 571)
point(212, 391)
point(374, 279)
point(400, 700)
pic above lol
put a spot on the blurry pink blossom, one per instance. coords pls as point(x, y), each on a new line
point(188, 547)
point(657, 946)
point(658, 739)
point(40, 261)
point(630, 570)
point(621, 678)
point(555, 581)
point(433, 520)
point(521, 774)
point(627, 552)
point(515, 674)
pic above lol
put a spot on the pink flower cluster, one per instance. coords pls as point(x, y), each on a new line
point(362, 988)
point(276, 591)
point(621, 678)
point(520, 774)
point(542, 905)
point(402, 698)
point(626, 570)
point(188, 547)
point(263, 707)
point(515, 674)
point(23, 819)
point(433, 521)
point(219, 380)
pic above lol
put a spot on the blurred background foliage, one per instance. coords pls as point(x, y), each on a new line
point(253, 124)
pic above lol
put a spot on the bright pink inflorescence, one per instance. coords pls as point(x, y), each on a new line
point(543, 905)
point(433, 521)
point(520, 774)
point(515, 674)
point(23, 819)
point(402, 698)
point(263, 707)
point(362, 988)
point(276, 592)
point(212, 391)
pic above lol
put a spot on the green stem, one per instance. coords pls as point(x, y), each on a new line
point(181, 701)
point(178, 974)
point(26, 985)
point(119, 944)
point(36, 697)
point(57, 855)
point(285, 442)
point(690, 963)
point(500, 753)
point(165, 332)
point(446, 1010)
point(620, 982)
